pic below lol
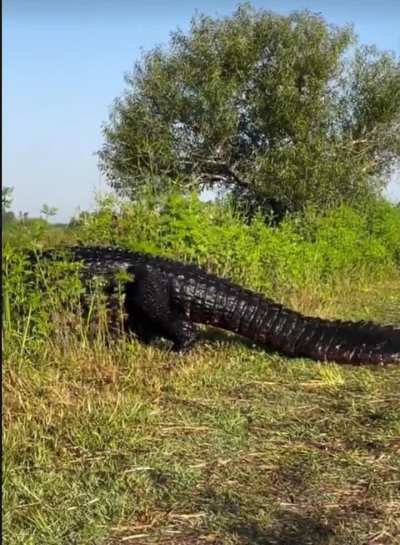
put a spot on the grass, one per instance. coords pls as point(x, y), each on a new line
point(124, 444)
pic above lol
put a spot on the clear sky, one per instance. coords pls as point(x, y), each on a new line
point(63, 65)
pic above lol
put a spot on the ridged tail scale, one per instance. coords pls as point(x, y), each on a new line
point(252, 315)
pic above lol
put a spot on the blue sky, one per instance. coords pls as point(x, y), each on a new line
point(63, 65)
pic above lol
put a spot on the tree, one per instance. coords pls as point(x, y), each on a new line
point(267, 108)
point(6, 197)
point(7, 215)
point(48, 211)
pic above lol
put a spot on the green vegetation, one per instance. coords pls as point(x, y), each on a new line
point(110, 442)
point(270, 109)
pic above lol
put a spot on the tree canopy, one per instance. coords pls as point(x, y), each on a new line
point(259, 105)
point(6, 197)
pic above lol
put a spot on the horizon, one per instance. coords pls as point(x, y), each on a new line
point(63, 66)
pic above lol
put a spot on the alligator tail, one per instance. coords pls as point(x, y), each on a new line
point(268, 323)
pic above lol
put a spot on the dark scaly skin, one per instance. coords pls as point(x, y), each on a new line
point(167, 298)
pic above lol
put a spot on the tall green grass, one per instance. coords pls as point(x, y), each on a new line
point(310, 248)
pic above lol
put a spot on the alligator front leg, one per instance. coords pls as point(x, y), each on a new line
point(151, 314)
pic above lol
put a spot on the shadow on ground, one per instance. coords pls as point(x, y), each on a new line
point(290, 528)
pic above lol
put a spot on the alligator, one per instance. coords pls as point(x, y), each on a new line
point(166, 298)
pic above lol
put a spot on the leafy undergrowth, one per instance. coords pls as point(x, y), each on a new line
point(123, 444)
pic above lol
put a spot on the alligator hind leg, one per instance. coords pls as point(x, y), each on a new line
point(182, 333)
point(138, 323)
point(150, 313)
